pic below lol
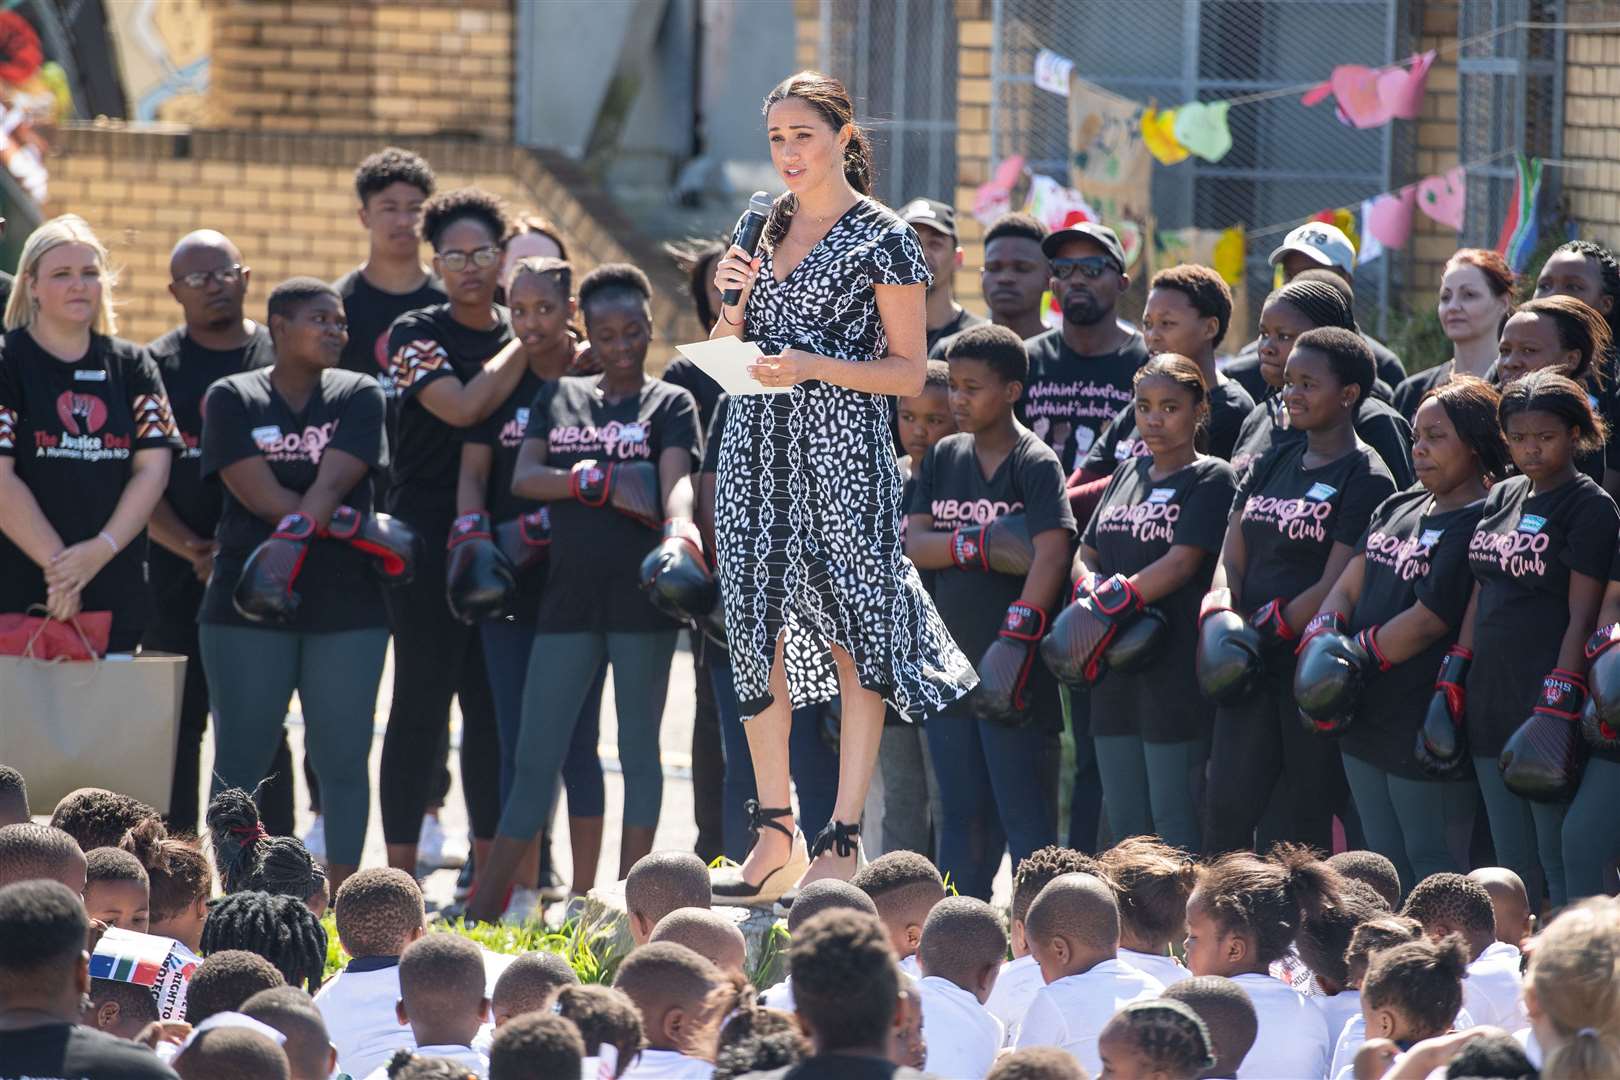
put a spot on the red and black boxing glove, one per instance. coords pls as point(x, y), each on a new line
point(264, 593)
point(1228, 659)
point(1332, 671)
point(1000, 546)
point(392, 543)
point(526, 539)
point(1002, 695)
point(676, 577)
point(1442, 741)
point(630, 487)
point(1600, 720)
point(1542, 761)
point(479, 581)
point(1074, 650)
point(1272, 624)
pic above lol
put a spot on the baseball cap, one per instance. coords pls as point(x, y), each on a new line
point(1101, 235)
point(1323, 243)
point(930, 212)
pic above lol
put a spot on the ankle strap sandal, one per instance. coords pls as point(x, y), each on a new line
point(764, 817)
point(837, 837)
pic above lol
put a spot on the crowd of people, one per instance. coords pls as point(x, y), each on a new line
point(1286, 600)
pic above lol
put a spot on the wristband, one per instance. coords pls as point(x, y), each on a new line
point(107, 536)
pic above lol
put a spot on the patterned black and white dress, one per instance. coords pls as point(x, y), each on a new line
point(808, 503)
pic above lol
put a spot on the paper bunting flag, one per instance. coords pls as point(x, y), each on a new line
point(1388, 218)
point(1445, 197)
point(1343, 219)
point(1052, 72)
point(1520, 231)
point(1056, 206)
point(994, 197)
point(1159, 136)
point(1231, 252)
point(1201, 127)
point(1370, 97)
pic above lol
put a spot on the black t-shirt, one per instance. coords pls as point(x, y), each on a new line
point(593, 583)
point(503, 432)
point(1137, 522)
point(1413, 554)
point(74, 1052)
point(188, 370)
point(704, 390)
point(1409, 394)
point(711, 444)
point(939, 338)
point(73, 431)
point(371, 312)
point(952, 488)
point(423, 346)
point(1292, 516)
point(246, 417)
point(1377, 425)
point(1522, 553)
point(1071, 397)
point(1229, 406)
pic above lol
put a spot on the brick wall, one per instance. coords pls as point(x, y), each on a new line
point(973, 37)
point(1592, 133)
point(806, 34)
point(422, 67)
point(1433, 243)
point(288, 202)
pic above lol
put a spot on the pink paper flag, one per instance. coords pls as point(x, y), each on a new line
point(1389, 217)
point(1369, 97)
point(994, 197)
point(1445, 197)
point(1404, 94)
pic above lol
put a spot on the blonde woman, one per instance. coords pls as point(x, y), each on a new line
point(85, 439)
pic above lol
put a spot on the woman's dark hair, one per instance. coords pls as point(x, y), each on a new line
point(443, 211)
point(1471, 403)
point(279, 928)
point(614, 280)
point(1151, 879)
point(1347, 355)
point(541, 226)
point(1422, 980)
point(1266, 899)
point(695, 259)
point(1580, 327)
point(1499, 277)
point(1551, 391)
point(1320, 303)
point(246, 857)
point(1205, 290)
point(828, 97)
point(1608, 270)
point(1168, 1033)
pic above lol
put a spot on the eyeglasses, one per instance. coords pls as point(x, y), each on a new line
point(1091, 267)
point(483, 258)
point(225, 275)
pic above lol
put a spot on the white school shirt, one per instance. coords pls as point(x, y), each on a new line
point(1293, 1040)
point(779, 996)
point(1339, 1009)
point(668, 1065)
point(1354, 1033)
point(1491, 992)
point(465, 1056)
point(1162, 966)
point(910, 966)
point(963, 1038)
point(1015, 988)
point(1071, 1012)
point(358, 1006)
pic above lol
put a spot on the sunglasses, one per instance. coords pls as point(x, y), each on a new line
point(225, 275)
point(483, 258)
point(1091, 267)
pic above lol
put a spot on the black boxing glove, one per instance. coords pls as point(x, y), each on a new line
point(1542, 761)
point(392, 543)
point(1332, 671)
point(1600, 720)
point(479, 581)
point(675, 576)
point(1270, 621)
point(1001, 696)
point(630, 487)
point(1442, 741)
point(1138, 646)
point(1229, 661)
point(526, 539)
point(1074, 650)
point(264, 593)
point(1000, 546)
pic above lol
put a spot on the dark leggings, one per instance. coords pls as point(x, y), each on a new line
point(436, 657)
point(1259, 743)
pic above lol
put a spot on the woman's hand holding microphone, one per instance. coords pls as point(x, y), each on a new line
point(738, 270)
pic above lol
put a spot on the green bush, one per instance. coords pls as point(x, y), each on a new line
point(592, 954)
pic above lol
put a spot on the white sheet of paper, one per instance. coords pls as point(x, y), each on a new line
point(726, 360)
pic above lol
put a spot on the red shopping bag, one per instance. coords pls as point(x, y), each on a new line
point(40, 637)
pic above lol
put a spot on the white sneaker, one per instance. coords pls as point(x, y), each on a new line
point(523, 906)
point(431, 852)
point(315, 839)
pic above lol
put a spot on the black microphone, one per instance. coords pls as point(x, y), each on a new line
point(759, 208)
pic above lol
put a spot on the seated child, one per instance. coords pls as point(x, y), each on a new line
point(1073, 933)
point(96, 817)
point(828, 894)
point(536, 1045)
point(181, 884)
point(1152, 881)
point(1372, 869)
point(530, 983)
point(1020, 977)
point(754, 1039)
point(279, 928)
point(1322, 942)
point(441, 998)
point(13, 797)
point(246, 858)
point(848, 989)
point(679, 995)
point(608, 1024)
point(30, 852)
point(1227, 1012)
point(120, 1008)
point(309, 1050)
point(904, 886)
point(1160, 1037)
point(116, 889)
point(1413, 991)
point(1449, 904)
point(237, 1052)
point(1037, 1063)
point(225, 980)
point(707, 933)
point(658, 884)
point(1514, 923)
point(1370, 937)
point(963, 945)
point(379, 913)
point(1243, 916)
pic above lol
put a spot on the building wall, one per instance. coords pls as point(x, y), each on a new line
point(1592, 133)
point(1433, 243)
point(974, 34)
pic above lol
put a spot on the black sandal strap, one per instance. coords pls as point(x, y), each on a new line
point(764, 817)
point(837, 837)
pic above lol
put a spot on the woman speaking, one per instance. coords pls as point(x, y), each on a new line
point(819, 601)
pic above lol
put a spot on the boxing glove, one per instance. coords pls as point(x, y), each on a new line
point(1442, 741)
point(264, 592)
point(479, 581)
point(526, 539)
point(675, 577)
point(1001, 546)
point(1600, 720)
point(1542, 760)
point(1138, 646)
point(1332, 671)
point(1083, 631)
point(1229, 663)
point(392, 543)
point(1002, 694)
point(1275, 633)
point(630, 487)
